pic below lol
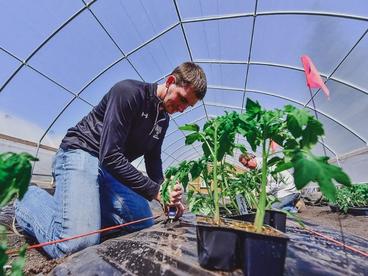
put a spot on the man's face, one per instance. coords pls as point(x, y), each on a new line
point(250, 163)
point(178, 98)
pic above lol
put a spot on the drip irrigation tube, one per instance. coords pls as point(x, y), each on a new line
point(333, 240)
point(13, 251)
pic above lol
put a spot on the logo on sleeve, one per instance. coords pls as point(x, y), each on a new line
point(145, 115)
point(158, 130)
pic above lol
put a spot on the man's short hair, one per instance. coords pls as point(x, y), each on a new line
point(191, 74)
point(247, 156)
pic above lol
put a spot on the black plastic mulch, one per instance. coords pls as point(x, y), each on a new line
point(309, 254)
point(172, 250)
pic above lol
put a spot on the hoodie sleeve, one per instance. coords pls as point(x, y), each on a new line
point(121, 107)
point(153, 163)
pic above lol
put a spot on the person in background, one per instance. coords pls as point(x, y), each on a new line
point(281, 185)
point(96, 184)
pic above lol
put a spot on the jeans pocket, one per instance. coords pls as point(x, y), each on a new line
point(74, 159)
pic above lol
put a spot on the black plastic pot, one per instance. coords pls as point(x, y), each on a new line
point(227, 249)
point(263, 254)
point(273, 218)
point(358, 211)
point(355, 211)
point(217, 247)
point(334, 208)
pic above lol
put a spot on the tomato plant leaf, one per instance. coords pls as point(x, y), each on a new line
point(308, 167)
point(311, 133)
point(191, 138)
point(189, 127)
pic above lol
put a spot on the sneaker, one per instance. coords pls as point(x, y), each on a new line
point(7, 214)
point(290, 209)
point(7, 219)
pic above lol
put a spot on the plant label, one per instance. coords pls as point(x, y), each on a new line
point(241, 204)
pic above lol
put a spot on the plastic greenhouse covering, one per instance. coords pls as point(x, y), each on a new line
point(58, 58)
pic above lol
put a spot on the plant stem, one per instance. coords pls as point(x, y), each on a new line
point(258, 222)
point(224, 179)
point(209, 192)
point(208, 144)
point(215, 187)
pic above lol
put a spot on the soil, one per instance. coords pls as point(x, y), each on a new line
point(38, 264)
point(238, 225)
point(322, 215)
point(36, 261)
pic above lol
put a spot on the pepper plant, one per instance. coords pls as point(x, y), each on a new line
point(296, 131)
point(15, 175)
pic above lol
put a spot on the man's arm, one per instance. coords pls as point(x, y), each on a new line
point(153, 162)
point(120, 109)
point(154, 170)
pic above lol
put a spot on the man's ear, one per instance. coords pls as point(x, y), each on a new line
point(170, 80)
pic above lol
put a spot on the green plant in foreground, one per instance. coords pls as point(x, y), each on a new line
point(354, 196)
point(296, 131)
point(15, 175)
point(218, 139)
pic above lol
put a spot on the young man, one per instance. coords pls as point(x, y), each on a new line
point(96, 185)
point(283, 188)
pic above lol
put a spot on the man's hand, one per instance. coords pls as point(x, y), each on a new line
point(175, 200)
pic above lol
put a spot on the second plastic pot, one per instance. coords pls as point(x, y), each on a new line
point(263, 254)
point(273, 218)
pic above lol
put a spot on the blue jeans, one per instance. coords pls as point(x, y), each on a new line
point(286, 202)
point(86, 198)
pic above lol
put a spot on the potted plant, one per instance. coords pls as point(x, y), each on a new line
point(296, 131)
point(247, 186)
point(218, 139)
point(352, 200)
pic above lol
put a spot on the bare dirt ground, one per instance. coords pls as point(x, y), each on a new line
point(38, 264)
point(322, 215)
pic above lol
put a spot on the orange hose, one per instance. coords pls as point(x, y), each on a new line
point(12, 251)
point(334, 241)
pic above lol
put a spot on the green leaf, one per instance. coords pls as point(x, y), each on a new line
point(273, 161)
point(241, 148)
point(196, 169)
point(311, 133)
point(189, 127)
point(308, 167)
point(191, 138)
point(252, 108)
point(15, 175)
point(290, 143)
point(170, 171)
point(18, 264)
point(278, 138)
point(328, 189)
point(293, 126)
point(338, 174)
point(283, 166)
point(252, 139)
